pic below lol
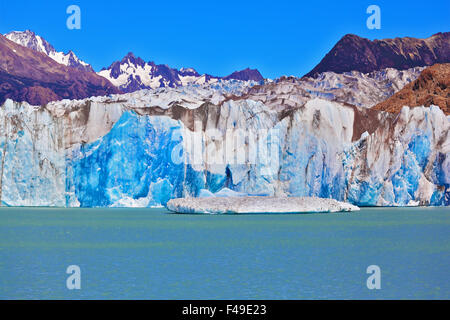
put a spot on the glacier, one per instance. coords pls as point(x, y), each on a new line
point(144, 148)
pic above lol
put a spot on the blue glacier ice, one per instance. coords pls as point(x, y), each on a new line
point(133, 166)
point(133, 162)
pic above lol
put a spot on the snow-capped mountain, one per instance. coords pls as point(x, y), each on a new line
point(33, 41)
point(133, 73)
point(28, 75)
point(128, 75)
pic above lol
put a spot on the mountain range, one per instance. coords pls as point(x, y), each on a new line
point(352, 57)
point(133, 73)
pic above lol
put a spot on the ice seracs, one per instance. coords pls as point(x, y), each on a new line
point(355, 88)
point(358, 88)
point(235, 205)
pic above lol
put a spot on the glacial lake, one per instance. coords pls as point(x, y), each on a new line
point(152, 254)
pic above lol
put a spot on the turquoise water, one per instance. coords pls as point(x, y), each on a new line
point(151, 254)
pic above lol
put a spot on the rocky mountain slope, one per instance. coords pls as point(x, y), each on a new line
point(28, 75)
point(431, 88)
point(353, 53)
point(33, 41)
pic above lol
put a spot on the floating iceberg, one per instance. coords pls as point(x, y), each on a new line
point(233, 205)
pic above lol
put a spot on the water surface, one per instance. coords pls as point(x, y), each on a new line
point(151, 254)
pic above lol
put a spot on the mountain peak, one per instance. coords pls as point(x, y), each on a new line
point(28, 32)
point(245, 75)
point(354, 53)
point(30, 40)
point(130, 58)
point(351, 36)
point(187, 69)
point(35, 42)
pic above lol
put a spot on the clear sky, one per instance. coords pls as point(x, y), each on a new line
point(278, 37)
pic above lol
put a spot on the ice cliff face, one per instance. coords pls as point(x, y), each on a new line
point(144, 148)
point(33, 162)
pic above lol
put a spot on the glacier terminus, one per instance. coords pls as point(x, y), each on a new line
point(144, 148)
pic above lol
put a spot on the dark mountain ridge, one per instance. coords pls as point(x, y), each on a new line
point(353, 53)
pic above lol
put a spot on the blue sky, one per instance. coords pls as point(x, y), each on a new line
point(218, 37)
